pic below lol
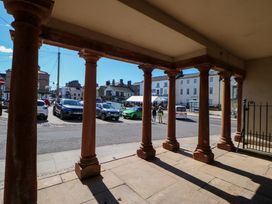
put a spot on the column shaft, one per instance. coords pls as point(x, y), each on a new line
point(21, 149)
point(146, 150)
point(88, 164)
point(225, 141)
point(239, 81)
point(203, 151)
point(171, 142)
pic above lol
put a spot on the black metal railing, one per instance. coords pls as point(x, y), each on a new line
point(257, 127)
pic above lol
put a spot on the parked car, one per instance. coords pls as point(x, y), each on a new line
point(106, 111)
point(68, 108)
point(42, 110)
point(133, 113)
point(181, 112)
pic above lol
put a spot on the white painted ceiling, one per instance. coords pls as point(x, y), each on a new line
point(243, 27)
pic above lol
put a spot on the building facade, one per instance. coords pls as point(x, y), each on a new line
point(187, 88)
point(42, 86)
point(116, 91)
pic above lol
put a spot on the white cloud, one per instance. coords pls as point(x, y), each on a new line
point(5, 50)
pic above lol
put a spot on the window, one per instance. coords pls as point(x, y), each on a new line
point(153, 90)
point(181, 81)
point(161, 91)
point(195, 80)
point(165, 91)
point(122, 94)
point(181, 91)
point(108, 93)
point(188, 81)
point(165, 84)
point(211, 90)
point(158, 85)
point(117, 93)
point(188, 91)
point(195, 90)
point(210, 102)
point(158, 91)
point(211, 79)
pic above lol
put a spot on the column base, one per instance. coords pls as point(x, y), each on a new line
point(203, 156)
point(87, 170)
point(171, 145)
point(238, 137)
point(226, 146)
point(146, 153)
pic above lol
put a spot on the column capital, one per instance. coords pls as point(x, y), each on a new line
point(225, 74)
point(33, 12)
point(172, 73)
point(90, 57)
point(147, 68)
point(204, 67)
point(239, 79)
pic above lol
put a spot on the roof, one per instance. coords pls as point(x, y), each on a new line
point(160, 78)
point(120, 88)
point(139, 99)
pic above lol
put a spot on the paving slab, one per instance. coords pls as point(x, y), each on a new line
point(180, 193)
point(1, 195)
point(120, 194)
point(68, 176)
point(72, 192)
point(48, 182)
point(142, 178)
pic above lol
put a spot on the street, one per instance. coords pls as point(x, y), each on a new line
point(57, 135)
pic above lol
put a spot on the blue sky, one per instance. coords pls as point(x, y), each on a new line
point(71, 65)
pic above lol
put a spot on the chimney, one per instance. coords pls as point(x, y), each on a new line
point(113, 82)
point(121, 82)
point(129, 83)
point(107, 83)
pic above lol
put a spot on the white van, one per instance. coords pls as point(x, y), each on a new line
point(181, 112)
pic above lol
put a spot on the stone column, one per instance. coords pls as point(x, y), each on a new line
point(171, 142)
point(239, 81)
point(146, 150)
point(88, 164)
point(203, 151)
point(225, 141)
point(21, 149)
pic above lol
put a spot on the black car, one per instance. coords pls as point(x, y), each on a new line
point(68, 108)
point(106, 111)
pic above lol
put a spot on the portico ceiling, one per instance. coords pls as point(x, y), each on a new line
point(229, 30)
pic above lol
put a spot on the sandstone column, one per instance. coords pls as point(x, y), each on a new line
point(88, 164)
point(21, 151)
point(146, 150)
point(239, 81)
point(203, 150)
point(171, 142)
point(225, 141)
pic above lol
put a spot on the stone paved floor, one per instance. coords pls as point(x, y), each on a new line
point(170, 178)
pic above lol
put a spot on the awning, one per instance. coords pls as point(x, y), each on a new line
point(139, 99)
point(2, 82)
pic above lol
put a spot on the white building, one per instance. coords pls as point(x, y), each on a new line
point(72, 92)
point(187, 88)
point(159, 86)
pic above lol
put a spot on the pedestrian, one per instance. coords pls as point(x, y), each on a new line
point(154, 114)
point(160, 114)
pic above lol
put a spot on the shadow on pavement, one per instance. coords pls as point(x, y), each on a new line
point(202, 184)
point(99, 190)
point(186, 120)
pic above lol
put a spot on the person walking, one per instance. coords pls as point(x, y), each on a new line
point(160, 114)
point(154, 114)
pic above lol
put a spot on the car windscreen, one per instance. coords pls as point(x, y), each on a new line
point(40, 103)
point(181, 109)
point(71, 103)
point(107, 106)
